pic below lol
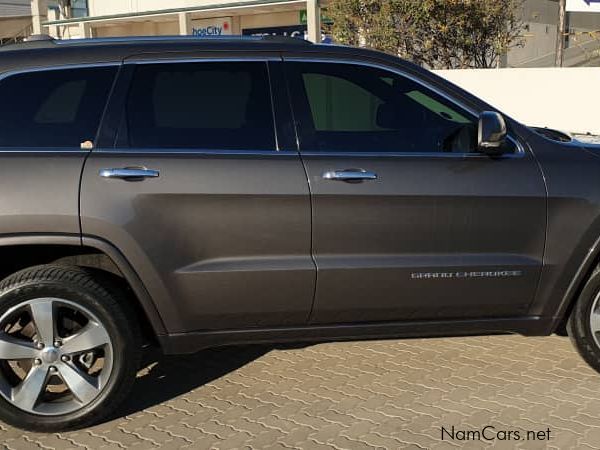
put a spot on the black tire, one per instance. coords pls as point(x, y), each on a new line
point(96, 293)
point(579, 327)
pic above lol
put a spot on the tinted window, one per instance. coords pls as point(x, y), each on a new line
point(53, 108)
point(201, 105)
point(343, 107)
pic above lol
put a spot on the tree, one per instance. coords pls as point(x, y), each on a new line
point(435, 33)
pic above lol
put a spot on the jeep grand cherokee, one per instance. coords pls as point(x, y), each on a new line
point(199, 192)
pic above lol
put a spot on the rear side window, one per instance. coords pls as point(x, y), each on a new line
point(204, 105)
point(53, 108)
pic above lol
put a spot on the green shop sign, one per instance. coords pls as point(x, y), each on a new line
point(324, 18)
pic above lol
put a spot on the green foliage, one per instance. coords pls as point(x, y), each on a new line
point(435, 33)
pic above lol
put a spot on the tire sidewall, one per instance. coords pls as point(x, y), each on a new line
point(579, 326)
point(121, 338)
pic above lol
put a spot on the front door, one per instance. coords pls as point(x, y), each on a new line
point(409, 221)
point(196, 192)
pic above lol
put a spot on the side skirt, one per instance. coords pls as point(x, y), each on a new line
point(181, 343)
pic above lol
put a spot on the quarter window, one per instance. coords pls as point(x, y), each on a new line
point(346, 107)
point(204, 105)
point(53, 108)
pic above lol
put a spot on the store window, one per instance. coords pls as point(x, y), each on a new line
point(75, 9)
point(79, 8)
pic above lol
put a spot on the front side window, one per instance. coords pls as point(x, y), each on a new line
point(53, 108)
point(346, 107)
point(204, 105)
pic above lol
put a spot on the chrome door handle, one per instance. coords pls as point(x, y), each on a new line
point(350, 175)
point(129, 173)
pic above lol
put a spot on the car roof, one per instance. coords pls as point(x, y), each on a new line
point(43, 51)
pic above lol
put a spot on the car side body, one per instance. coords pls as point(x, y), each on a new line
point(256, 245)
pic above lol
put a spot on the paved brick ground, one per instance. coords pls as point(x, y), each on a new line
point(383, 394)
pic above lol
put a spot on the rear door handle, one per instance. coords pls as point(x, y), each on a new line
point(350, 175)
point(129, 173)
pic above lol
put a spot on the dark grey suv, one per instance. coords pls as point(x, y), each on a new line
point(189, 193)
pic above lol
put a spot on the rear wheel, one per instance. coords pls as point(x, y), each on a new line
point(584, 322)
point(68, 354)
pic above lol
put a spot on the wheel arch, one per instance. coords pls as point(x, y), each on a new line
point(20, 251)
point(583, 274)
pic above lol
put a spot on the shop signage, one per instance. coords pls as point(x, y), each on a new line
point(583, 5)
point(297, 31)
point(220, 26)
point(324, 18)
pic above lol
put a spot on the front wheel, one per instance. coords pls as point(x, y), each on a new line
point(68, 353)
point(584, 322)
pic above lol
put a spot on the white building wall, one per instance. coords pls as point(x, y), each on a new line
point(109, 7)
point(143, 28)
point(12, 8)
point(268, 20)
point(13, 26)
point(564, 99)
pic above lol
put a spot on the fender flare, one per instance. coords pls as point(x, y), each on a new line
point(585, 269)
point(112, 252)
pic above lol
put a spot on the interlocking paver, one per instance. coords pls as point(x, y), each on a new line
point(358, 395)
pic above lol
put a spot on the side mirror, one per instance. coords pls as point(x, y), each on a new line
point(491, 133)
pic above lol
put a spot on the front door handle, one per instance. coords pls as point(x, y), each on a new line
point(350, 175)
point(129, 173)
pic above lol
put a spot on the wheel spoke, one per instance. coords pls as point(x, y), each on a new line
point(595, 321)
point(27, 393)
point(81, 385)
point(91, 336)
point(42, 313)
point(11, 348)
point(50, 347)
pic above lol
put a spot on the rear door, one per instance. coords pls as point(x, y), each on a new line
point(45, 116)
point(201, 196)
point(409, 221)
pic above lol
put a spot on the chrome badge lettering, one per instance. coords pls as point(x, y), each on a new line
point(460, 274)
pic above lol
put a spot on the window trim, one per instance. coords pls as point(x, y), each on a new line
point(35, 69)
point(519, 148)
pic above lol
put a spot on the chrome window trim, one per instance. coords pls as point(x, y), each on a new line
point(194, 151)
point(52, 150)
point(10, 73)
point(518, 153)
point(472, 155)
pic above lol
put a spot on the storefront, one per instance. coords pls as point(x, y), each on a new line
point(255, 27)
point(297, 18)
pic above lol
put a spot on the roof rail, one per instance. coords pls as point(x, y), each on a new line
point(285, 39)
point(187, 38)
point(44, 41)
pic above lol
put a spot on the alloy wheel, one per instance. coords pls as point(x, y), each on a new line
point(595, 320)
point(55, 356)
